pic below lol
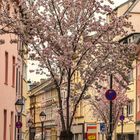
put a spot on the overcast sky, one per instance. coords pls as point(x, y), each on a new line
point(118, 2)
point(33, 77)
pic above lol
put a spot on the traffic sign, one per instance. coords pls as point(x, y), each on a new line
point(110, 94)
point(122, 117)
point(18, 124)
point(102, 127)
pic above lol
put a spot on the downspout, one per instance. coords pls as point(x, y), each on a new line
point(136, 104)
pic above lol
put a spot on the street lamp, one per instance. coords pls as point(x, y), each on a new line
point(30, 123)
point(19, 107)
point(42, 116)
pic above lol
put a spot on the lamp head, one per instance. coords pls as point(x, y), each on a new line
point(19, 105)
point(42, 116)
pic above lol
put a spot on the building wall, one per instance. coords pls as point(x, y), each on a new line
point(7, 91)
point(135, 19)
point(138, 89)
point(134, 14)
point(138, 96)
point(122, 9)
point(130, 121)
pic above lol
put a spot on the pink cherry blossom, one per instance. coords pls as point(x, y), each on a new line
point(74, 42)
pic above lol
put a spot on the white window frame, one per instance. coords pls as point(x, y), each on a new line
point(130, 109)
point(130, 76)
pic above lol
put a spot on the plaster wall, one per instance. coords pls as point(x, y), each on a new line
point(7, 91)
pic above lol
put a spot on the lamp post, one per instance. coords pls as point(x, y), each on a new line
point(42, 116)
point(30, 123)
point(19, 107)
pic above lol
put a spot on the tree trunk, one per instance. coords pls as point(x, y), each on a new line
point(107, 137)
point(66, 135)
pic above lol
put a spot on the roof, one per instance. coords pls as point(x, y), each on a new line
point(42, 86)
point(136, 33)
point(134, 2)
point(124, 4)
point(132, 6)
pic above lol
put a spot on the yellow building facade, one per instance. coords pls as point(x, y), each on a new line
point(127, 128)
point(43, 97)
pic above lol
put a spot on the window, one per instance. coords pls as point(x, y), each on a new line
point(25, 71)
point(125, 41)
point(0, 4)
point(5, 125)
point(19, 83)
point(16, 80)
point(13, 72)
point(130, 108)
point(138, 67)
point(138, 104)
point(12, 126)
point(6, 67)
point(130, 76)
point(79, 110)
point(129, 40)
point(74, 78)
point(18, 86)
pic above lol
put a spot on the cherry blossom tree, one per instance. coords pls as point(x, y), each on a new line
point(70, 38)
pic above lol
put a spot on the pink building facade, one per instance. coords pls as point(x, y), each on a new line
point(10, 86)
point(10, 71)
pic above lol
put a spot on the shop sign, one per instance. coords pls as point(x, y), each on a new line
point(91, 132)
point(102, 127)
point(91, 136)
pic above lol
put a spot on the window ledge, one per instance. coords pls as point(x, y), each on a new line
point(130, 115)
point(78, 117)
